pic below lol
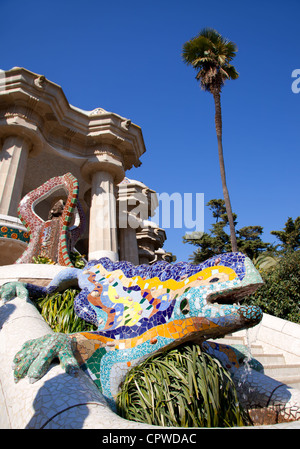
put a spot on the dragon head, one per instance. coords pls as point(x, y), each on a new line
point(211, 298)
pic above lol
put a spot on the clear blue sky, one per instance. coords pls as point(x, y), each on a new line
point(125, 56)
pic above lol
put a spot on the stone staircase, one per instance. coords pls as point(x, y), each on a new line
point(274, 363)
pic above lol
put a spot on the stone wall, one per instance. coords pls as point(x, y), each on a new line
point(277, 335)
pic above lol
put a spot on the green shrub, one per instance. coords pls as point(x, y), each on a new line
point(182, 387)
point(280, 294)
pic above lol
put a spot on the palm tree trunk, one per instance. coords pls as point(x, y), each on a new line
point(218, 123)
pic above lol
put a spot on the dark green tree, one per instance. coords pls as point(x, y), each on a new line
point(218, 241)
point(210, 54)
point(249, 239)
point(250, 242)
point(207, 246)
point(218, 208)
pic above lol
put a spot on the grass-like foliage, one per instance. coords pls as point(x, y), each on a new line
point(58, 311)
point(182, 387)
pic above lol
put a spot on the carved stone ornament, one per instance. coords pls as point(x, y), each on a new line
point(40, 82)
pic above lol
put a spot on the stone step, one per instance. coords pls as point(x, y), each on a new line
point(268, 359)
point(282, 370)
point(230, 340)
point(256, 349)
point(274, 364)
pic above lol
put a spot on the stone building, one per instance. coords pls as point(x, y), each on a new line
point(43, 136)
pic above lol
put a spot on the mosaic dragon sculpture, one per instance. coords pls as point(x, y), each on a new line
point(140, 310)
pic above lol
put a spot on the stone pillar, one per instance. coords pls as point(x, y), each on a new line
point(103, 240)
point(14, 156)
point(149, 239)
point(134, 206)
point(103, 169)
point(128, 245)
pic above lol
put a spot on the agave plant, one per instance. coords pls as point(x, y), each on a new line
point(182, 387)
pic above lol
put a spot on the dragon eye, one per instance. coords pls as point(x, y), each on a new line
point(214, 280)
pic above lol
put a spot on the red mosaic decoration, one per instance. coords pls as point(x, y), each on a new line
point(52, 237)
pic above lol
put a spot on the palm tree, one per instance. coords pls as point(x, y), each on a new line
point(210, 54)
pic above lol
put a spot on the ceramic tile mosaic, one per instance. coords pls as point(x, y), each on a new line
point(140, 310)
point(9, 232)
point(52, 238)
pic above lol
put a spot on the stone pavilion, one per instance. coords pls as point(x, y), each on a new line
point(43, 136)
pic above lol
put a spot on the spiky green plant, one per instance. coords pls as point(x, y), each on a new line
point(58, 311)
point(182, 387)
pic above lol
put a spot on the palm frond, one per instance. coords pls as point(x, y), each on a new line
point(209, 50)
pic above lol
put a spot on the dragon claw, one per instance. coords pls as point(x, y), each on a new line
point(35, 357)
point(10, 290)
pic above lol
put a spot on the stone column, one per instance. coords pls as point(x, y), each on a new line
point(14, 156)
point(103, 169)
point(128, 245)
point(103, 240)
point(134, 201)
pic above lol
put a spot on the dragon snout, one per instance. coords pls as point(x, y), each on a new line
point(250, 313)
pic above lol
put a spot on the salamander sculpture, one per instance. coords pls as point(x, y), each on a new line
point(54, 238)
point(140, 310)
